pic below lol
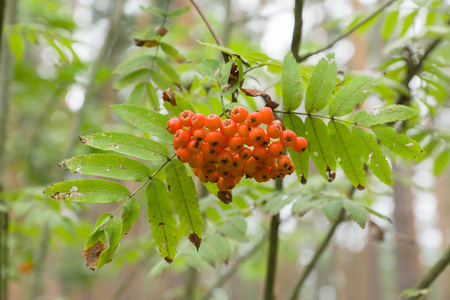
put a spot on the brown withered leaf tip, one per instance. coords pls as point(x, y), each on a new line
point(225, 196)
point(161, 30)
point(233, 78)
point(303, 181)
point(265, 96)
point(83, 139)
point(92, 254)
point(331, 174)
point(146, 43)
point(360, 187)
point(169, 97)
point(195, 240)
point(168, 260)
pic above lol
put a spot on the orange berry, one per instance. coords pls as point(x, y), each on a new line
point(256, 134)
point(252, 165)
point(274, 130)
point(198, 120)
point(238, 163)
point(223, 171)
point(236, 143)
point(237, 173)
point(288, 138)
point(214, 178)
point(225, 158)
point(239, 114)
point(215, 138)
point(300, 144)
point(196, 161)
point(186, 118)
point(184, 155)
point(202, 177)
point(263, 174)
point(268, 162)
point(194, 147)
point(199, 135)
point(182, 137)
point(196, 170)
point(260, 153)
point(209, 153)
point(276, 149)
point(173, 125)
point(228, 128)
point(284, 162)
point(213, 122)
point(265, 141)
point(208, 168)
point(244, 129)
point(249, 142)
point(254, 119)
point(175, 144)
point(245, 154)
point(266, 114)
point(227, 183)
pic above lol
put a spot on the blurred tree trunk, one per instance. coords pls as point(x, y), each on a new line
point(407, 253)
point(442, 192)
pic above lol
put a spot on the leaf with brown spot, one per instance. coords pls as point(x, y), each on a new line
point(196, 240)
point(161, 30)
point(169, 97)
point(233, 78)
point(92, 254)
point(146, 43)
point(265, 96)
point(225, 196)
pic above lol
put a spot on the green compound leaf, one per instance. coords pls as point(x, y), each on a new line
point(389, 24)
point(148, 120)
point(184, 196)
point(372, 155)
point(162, 221)
point(131, 78)
point(152, 96)
point(113, 232)
point(321, 84)
point(320, 147)
point(16, 44)
point(234, 87)
point(178, 12)
point(137, 94)
point(209, 68)
point(133, 62)
point(108, 165)
point(291, 83)
point(351, 95)
point(300, 160)
point(357, 212)
point(398, 143)
point(348, 154)
point(168, 70)
point(97, 234)
point(154, 10)
point(127, 144)
point(130, 214)
point(332, 209)
point(441, 162)
point(387, 114)
point(88, 191)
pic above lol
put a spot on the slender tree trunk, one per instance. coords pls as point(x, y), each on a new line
point(408, 267)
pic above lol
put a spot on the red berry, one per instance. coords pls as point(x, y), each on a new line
point(198, 120)
point(266, 114)
point(215, 138)
point(213, 122)
point(288, 138)
point(244, 129)
point(274, 130)
point(236, 143)
point(300, 145)
point(256, 134)
point(239, 114)
point(254, 119)
point(185, 118)
point(182, 137)
point(173, 125)
point(276, 149)
point(228, 128)
point(199, 135)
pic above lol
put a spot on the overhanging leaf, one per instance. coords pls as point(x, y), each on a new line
point(357, 212)
point(321, 84)
point(184, 196)
point(441, 162)
point(398, 143)
point(332, 209)
point(387, 114)
point(130, 214)
point(127, 144)
point(372, 155)
point(352, 94)
point(209, 68)
point(88, 191)
point(108, 165)
point(162, 221)
point(131, 78)
point(349, 155)
point(291, 82)
point(300, 160)
point(320, 147)
point(113, 232)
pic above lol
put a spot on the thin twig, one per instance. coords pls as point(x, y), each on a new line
point(353, 29)
point(321, 116)
point(211, 29)
point(232, 269)
point(317, 255)
point(434, 272)
point(297, 33)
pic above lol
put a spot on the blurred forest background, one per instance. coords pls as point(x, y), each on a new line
point(58, 59)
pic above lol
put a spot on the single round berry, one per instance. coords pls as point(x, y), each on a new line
point(252, 165)
point(239, 114)
point(263, 174)
point(186, 118)
point(199, 135)
point(267, 115)
point(254, 119)
point(184, 155)
point(288, 138)
point(182, 137)
point(202, 177)
point(236, 143)
point(209, 153)
point(196, 161)
point(223, 171)
point(226, 184)
point(284, 162)
point(244, 129)
point(268, 162)
point(276, 149)
point(215, 138)
point(198, 120)
point(300, 145)
point(245, 154)
point(225, 158)
point(238, 163)
point(173, 125)
point(228, 128)
point(214, 178)
point(213, 122)
point(274, 130)
point(194, 147)
point(260, 153)
point(265, 141)
point(256, 134)
point(237, 173)
point(208, 168)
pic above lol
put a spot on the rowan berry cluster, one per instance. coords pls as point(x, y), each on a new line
point(223, 151)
